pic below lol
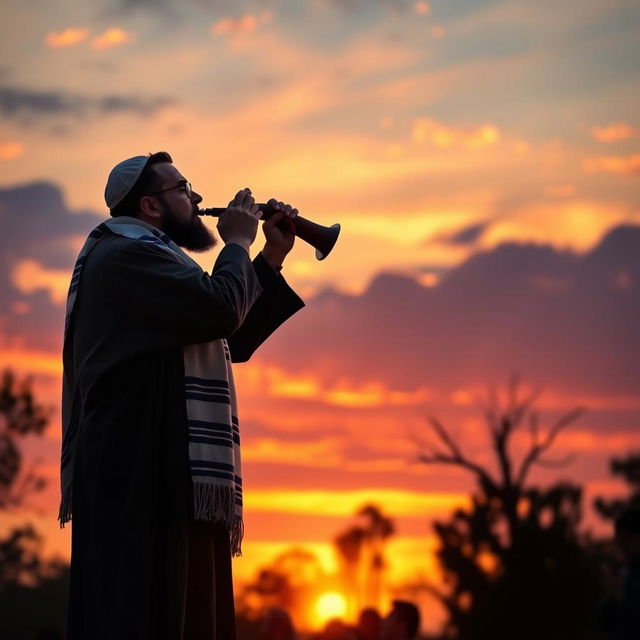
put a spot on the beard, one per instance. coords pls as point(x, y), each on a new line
point(191, 235)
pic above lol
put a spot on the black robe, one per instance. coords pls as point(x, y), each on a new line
point(141, 567)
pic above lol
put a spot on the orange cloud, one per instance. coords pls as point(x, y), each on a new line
point(629, 165)
point(11, 150)
point(112, 37)
point(243, 24)
point(317, 453)
point(584, 441)
point(345, 503)
point(422, 7)
point(613, 132)
point(29, 362)
point(30, 275)
point(429, 131)
point(279, 384)
point(66, 38)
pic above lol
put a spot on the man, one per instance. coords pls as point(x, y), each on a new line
point(402, 623)
point(620, 609)
point(150, 453)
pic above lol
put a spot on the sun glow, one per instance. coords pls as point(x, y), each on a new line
point(330, 605)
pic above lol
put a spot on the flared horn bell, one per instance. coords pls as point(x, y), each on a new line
point(321, 238)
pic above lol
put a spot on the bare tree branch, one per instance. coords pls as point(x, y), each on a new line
point(536, 451)
point(441, 458)
point(444, 436)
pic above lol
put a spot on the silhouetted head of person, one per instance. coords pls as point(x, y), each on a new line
point(161, 196)
point(627, 528)
point(402, 623)
point(369, 624)
point(277, 625)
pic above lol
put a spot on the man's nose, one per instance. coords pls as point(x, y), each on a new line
point(196, 198)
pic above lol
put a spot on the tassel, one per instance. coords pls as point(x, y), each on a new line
point(237, 533)
point(213, 503)
point(64, 513)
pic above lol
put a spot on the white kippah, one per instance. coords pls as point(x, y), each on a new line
point(122, 177)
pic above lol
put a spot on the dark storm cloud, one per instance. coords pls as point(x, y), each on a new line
point(37, 225)
point(463, 237)
point(18, 103)
point(562, 319)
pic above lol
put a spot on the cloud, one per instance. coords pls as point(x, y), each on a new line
point(29, 276)
point(346, 503)
point(613, 132)
point(246, 23)
point(624, 165)
point(11, 150)
point(466, 236)
point(39, 244)
point(66, 38)
point(112, 37)
point(426, 130)
point(19, 103)
point(564, 319)
point(280, 384)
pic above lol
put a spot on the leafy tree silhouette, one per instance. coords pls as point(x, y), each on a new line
point(514, 563)
point(289, 582)
point(32, 591)
point(628, 467)
point(361, 552)
point(20, 416)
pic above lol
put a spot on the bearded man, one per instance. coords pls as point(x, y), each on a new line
point(150, 466)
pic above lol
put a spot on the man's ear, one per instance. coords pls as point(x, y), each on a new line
point(149, 206)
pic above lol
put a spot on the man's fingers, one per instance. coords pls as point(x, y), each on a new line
point(274, 219)
point(248, 199)
point(238, 198)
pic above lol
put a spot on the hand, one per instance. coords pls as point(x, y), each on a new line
point(280, 232)
point(239, 221)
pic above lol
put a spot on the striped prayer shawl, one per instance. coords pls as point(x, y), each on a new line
point(211, 407)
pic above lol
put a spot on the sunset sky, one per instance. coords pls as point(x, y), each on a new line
point(483, 159)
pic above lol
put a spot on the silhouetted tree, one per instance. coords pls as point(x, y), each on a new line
point(627, 467)
point(32, 591)
point(20, 416)
point(514, 563)
point(349, 544)
point(378, 529)
point(289, 583)
point(361, 552)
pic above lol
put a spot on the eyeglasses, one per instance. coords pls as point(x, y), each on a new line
point(183, 185)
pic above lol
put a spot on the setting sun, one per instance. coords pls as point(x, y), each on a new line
point(330, 605)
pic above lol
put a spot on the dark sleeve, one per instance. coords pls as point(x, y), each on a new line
point(608, 613)
point(277, 302)
point(163, 303)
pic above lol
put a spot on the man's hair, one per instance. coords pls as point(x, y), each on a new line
point(628, 521)
point(148, 182)
point(409, 614)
